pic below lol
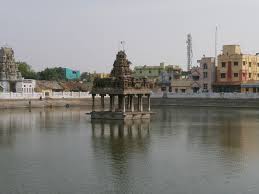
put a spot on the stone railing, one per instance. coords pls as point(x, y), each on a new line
point(54, 95)
point(207, 95)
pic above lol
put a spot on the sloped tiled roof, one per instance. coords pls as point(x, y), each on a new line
point(43, 85)
point(74, 86)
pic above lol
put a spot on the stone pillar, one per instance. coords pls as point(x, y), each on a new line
point(112, 107)
point(113, 103)
point(102, 102)
point(93, 102)
point(123, 103)
point(128, 101)
point(148, 102)
point(141, 103)
point(138, 102)
point(119, 102)
point(132, 103)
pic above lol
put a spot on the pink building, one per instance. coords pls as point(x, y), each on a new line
point(203, 76)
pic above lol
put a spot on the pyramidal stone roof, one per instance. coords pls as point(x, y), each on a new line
point(121, 80)
point(121, 66)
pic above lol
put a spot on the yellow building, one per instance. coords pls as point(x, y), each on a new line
point(101, 75)
point(235, 68)
point(181, 86)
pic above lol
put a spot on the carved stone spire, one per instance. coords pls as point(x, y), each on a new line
point(121, 66)
point(8, 67)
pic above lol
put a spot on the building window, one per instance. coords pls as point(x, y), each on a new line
point(183, 90)
point(170, 78)
point(235, 74)
point(205, 66)
point(223, 75)
point(250, 75)
point(140, 71)
point(149, 71)
point(195, 78)
point(257, 64)
point(250, 64)
point(247, 89)
point(205, 74)
point(244, 63)
point(235, 63)
point(257, 74)
point(205, 86)
point(223, 64)
point(176, 90)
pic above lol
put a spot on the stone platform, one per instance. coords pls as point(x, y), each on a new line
point(108, 115)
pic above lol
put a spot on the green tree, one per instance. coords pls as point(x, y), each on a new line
point(56, 73)
point(26, 70)
point(85, 76)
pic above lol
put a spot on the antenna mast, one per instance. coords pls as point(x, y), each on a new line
point(216, 45)
point(189, 51)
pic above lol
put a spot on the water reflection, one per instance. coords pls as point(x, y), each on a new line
point(186, 150)
point(119, 141)
point(218, 135)
point(26, 121)
point(121, 129)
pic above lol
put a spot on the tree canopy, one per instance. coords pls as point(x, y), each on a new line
point(26, 70)
point(51, 74)
point(86, 76)
point(56, 73)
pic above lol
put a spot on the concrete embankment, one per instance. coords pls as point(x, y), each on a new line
point(195, 102)
point(9, 104)
point(206, 102)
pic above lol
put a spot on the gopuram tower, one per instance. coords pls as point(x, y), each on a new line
point(9, 73)
point(122, 89)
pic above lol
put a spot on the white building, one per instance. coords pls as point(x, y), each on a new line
point(26, 86)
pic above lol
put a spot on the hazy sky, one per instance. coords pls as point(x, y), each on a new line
point(85, 34)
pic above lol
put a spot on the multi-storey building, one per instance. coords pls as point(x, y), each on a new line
point(151, 72)
point(203, 76)
point(207, 73)
point(195, 76)
point(158, 73)
point(170, 73)
point(234, 69)
point(71, 74)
